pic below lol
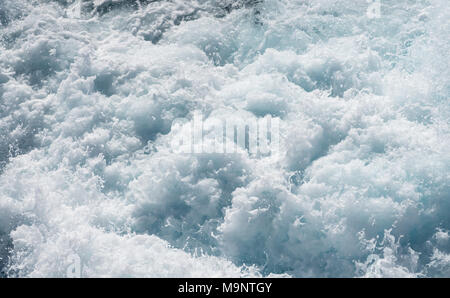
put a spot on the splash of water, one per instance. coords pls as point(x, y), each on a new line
point(88, 93)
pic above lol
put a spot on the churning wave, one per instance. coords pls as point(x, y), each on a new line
point(88, 93)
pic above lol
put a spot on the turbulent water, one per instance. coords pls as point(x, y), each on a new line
point(88, 93)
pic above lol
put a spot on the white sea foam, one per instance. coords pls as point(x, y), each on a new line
point(88, 93)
